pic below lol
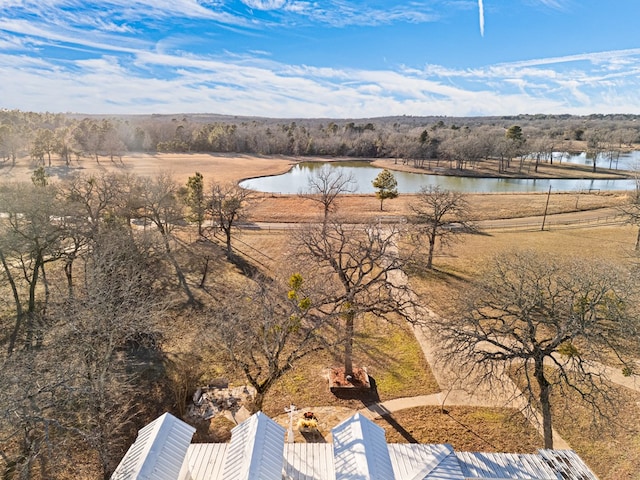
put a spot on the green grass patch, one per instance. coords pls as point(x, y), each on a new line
point(394, 359)
point(390, 353)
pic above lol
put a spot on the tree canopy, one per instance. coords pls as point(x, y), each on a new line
point(552, 323)
point(386, 186)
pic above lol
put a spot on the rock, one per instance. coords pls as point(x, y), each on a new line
point(242, 414)
point(197, 396)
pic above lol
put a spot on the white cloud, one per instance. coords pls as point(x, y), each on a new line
point(120, 73)
point(265, 4)
point(259, 86)
point(49, 33)
point(594, 57)
point(117, 13)
point(342, 14)
point(556, 4)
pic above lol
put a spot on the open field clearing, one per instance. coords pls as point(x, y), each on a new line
point(275, 208)
point(612, 454)
point(360, 208)
point(221, 168)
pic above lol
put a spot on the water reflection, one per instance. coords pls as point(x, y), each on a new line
point(627, 161)
point(296, 181)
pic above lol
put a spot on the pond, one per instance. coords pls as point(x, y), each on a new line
point(296, 181)
point(626, 161)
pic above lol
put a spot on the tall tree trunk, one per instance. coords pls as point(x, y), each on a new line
point(348, 342)
point(205, 271)
point(68, 271)
point(181, 278)
point(545, 403)
point(227, 232)
point(31, 307)
point(432, 246)
point(258, 401)
point(16, 298)
point(637, 247)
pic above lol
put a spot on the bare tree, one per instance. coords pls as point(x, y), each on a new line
point(77, 387)
point(92, 201)
point(32, 433)
point(160, 205)
point(114, 315)
point(631, 210)
point(440, 214)
point(595, 146)
point(548, 321)
point(325, 185)
point(31, 236)
point(267, 329)
point(360, 268)
point(227, 203)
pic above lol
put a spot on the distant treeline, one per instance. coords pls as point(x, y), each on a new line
point(48, 137)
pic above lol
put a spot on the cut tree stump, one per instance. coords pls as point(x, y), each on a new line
point(340, 383)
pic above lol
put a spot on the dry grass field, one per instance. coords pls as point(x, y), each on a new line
point(479, 428)
point(465, 428)
point(286, 208)
point(612, 453)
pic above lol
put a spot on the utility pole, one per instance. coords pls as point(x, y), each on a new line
point(546, 207)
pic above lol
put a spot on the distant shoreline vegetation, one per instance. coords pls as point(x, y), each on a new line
point(465, 142)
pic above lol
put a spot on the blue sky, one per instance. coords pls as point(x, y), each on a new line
point(336, 58)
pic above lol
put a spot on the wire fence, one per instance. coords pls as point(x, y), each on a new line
point(554, 223)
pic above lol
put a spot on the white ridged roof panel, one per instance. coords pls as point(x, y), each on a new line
point(256, 450)
point(162, 451)
point(424, 462)
point(158, 452)
point(504, 465)
point(204, 461)
point(308, 461)
point(360, 450)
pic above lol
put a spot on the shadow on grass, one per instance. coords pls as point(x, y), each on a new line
point(386, 415)
point(469, 429)
point(246, 267)
point(371, 400)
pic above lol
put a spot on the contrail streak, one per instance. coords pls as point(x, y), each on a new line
point(481, 10)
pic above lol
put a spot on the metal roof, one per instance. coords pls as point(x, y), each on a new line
point(567, 464)
point(204, 461)
point(424, 462)
point(256, 450)
point(504, 465)
point(360, 450)
point(158, 452)
point(308, 461)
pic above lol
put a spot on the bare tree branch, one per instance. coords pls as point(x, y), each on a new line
point(554, 322)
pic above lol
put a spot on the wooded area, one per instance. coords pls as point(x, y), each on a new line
point(460, 143)
point(98, 269)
